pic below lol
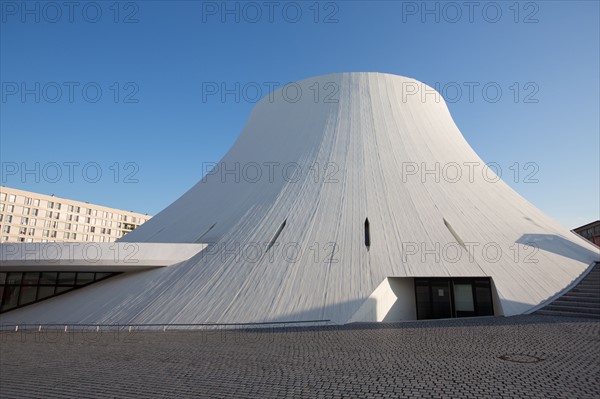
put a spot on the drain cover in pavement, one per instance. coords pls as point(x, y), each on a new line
point(519, 358)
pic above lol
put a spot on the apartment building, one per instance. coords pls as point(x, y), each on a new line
point(31, 217)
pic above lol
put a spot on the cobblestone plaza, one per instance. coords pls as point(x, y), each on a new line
point(494, 357)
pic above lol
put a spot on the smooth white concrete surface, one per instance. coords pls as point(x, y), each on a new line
point(95, 257)
point(365, 146)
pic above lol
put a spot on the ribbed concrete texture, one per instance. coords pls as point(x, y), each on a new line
point(285, 212)
point(581, 301)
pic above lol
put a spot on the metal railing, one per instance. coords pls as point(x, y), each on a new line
point(7, 327)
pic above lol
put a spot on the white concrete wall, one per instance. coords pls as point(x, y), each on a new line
point(393, 300)
point(405, 307)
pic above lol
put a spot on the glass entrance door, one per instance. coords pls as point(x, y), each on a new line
point(441, 305)
point(464, 305)
point(439, 298)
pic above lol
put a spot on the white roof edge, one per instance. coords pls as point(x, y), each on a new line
point(92, 256)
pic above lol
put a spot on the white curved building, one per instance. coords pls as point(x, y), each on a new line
point(347, 197)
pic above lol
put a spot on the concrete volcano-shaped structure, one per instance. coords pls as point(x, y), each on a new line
point(347, 197)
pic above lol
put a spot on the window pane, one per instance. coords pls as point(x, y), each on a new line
point(441, 305)
point(14, 278)
point(11, 294)
point(45, 292)
point(66, 278)
point(27, 294)
point(423, 301)
point(84, 278)
point(63, 289)
point(30, 278)
point(463, 298)
point(102, 275)
point(483, 296)
point(48, 278)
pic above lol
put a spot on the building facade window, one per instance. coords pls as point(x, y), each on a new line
point(23, 288)
point(50, 219)
point(367, 233)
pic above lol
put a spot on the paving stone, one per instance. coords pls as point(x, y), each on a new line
point(556, 357)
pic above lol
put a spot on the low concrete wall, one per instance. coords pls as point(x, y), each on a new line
point(393, 300)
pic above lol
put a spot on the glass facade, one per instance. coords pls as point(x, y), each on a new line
point(24, 288)
point(441, 298)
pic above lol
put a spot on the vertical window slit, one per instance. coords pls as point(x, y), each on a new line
point(367, 234)
point(454, 234)
point(274, 239)
point(205, 233)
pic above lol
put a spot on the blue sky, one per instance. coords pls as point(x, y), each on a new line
point(150, 130)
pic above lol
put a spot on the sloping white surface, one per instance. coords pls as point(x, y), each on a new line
point(393, 300)
point(367, 137)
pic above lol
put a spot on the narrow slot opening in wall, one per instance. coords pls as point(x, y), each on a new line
point(274, 239)
point(205, 233)
point(454, 234)
point(367, 234)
